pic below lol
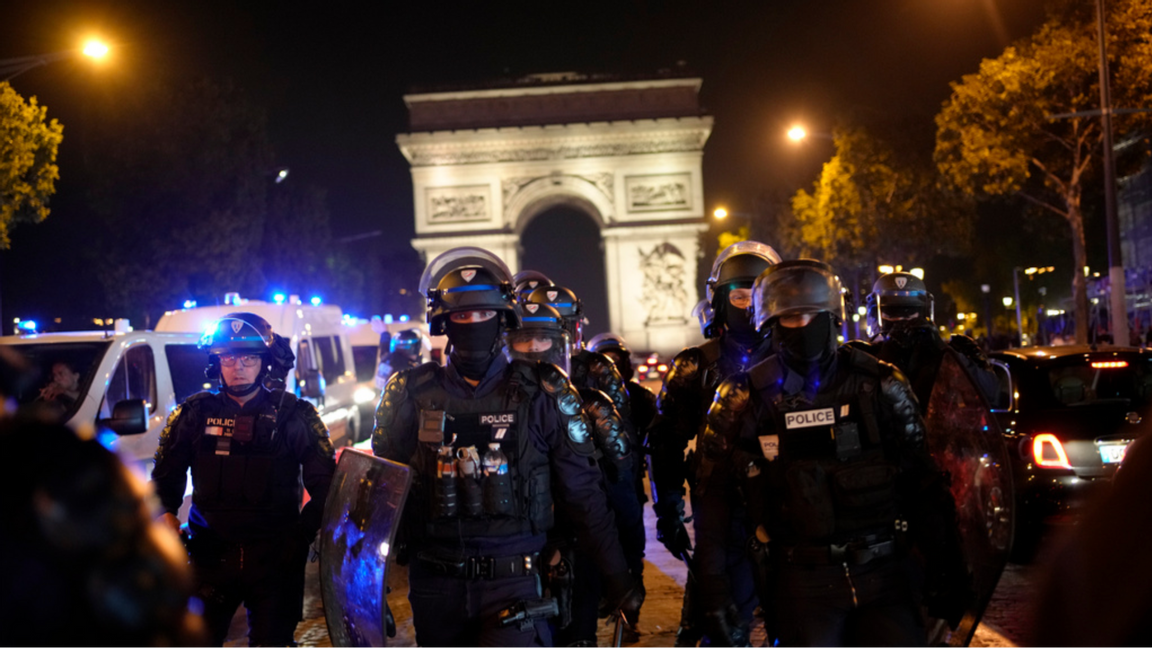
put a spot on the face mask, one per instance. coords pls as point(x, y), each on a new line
point(807, 343)
point(474, 345)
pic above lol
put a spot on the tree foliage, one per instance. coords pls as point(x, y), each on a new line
point(873, 205)
point(28, 171)
point(999, 132)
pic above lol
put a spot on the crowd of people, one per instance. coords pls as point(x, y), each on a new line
point(816, 503)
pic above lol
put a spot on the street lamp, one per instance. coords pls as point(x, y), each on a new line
point(798, 133)
point(13, 67)
point(986, 289)
point(1030, 272)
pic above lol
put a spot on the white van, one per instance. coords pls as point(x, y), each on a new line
point(128, 381)
point(325, 372)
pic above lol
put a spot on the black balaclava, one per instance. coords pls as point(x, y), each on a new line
point(806, 345)
point(738, 325)
point(474, 346)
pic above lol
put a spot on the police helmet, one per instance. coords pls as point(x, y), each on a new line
point(899, 299)
point(567, 304)
point(409, 342)
point(794, 288)
point(465, 279)
point(539, 322)
point(616, 348)
point(238, 333)
point(736, 267)
point(526, 281)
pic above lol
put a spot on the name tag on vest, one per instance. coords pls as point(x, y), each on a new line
point(810, 418)
point(770, 447)
point(503, 419)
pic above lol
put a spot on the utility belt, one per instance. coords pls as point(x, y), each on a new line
point(480, 567)
point(858, 551)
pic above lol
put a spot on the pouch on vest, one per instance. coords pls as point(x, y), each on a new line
point(865, 495)
point(809, 500)
point(847, 438)
point(244, 430)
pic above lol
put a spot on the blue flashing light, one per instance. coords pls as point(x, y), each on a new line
point(388, 319)
point(28, 325)
point(403, 318)
point(279, 298)
point(189, 303)
point(107, 438)
point(315, 301)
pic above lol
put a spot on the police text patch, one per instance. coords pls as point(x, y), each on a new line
point(500, 418)
point(809, 418)
point(770, 446)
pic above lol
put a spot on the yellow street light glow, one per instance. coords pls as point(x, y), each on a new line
point(95, 49)
point(1007, 302)
point(917, 272)
point(797, 133)
point(720, 213)
point(886, 269)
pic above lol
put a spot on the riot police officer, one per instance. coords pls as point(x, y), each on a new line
point(827, 445)
point(734, 344)
point(493, 444)
point(902, 331)
point(404, 350)
point(640, 399)
point(596, 376)
point(526, 281)
point(246, 446)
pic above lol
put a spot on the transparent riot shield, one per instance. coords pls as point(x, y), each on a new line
point(965, 440)
point(360, 520)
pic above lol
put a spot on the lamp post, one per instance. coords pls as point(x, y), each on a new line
point(1117, 304)
point(986, 289)
point(1016, 291)
point(13, 67)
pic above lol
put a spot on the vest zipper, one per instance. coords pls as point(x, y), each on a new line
point(851, 586)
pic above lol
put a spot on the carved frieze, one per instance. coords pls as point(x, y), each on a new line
point(663, 192)
point(458, 204)
point(511, 187)
point(446, 155)
point(665, 291)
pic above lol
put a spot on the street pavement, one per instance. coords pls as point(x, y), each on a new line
point(1003, 625)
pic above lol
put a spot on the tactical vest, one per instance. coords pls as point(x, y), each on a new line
point(242, 461)
point(448, 503)
point(828, 474)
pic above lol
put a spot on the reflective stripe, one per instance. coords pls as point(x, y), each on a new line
point(468, 288)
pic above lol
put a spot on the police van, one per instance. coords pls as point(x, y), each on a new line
point(119, 380)
point(370, 345)
point(325, 371)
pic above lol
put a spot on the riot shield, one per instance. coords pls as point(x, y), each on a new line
point(360, 520)
point(965, 440)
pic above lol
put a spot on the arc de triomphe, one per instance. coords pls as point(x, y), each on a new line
point(485, 162)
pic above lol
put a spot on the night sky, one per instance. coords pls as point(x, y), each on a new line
point(331, 77)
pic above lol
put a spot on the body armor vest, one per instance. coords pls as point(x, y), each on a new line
point(242, 462)
point(827, 475)
point(459, 490)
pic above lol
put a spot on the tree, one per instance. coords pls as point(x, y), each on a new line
point(999, 132)
point(28, 171)
point(873, 205)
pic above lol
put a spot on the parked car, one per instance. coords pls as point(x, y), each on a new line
point(1068, 414)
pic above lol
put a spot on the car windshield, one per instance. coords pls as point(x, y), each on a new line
point(64, 372)
point(1079, 381)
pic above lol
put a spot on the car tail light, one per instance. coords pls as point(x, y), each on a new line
point(1048, 452)
point(1111, 364)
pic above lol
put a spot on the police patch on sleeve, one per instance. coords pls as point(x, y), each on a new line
point(770, 446)
point(810, 418)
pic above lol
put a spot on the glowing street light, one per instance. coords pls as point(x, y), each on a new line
point(720, 213)
point(797, 133)
point(95, 49)
point(13, 67)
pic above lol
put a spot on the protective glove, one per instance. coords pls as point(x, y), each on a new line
point(724, 627)
point(670, 529)
point(624, 593)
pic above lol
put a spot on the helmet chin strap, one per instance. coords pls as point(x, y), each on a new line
point(241, 392)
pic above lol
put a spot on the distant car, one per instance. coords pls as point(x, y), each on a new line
point(1068, 415)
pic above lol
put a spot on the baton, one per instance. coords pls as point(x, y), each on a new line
point(618, 633)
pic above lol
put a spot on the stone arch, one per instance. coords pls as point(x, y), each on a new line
point(557, 189)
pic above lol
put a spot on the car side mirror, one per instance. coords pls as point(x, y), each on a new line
point(128, 417)
point(310, 384)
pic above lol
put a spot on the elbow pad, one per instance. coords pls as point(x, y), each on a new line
point(166, 434)
point(682, 375)
point(395, 393)
point(316, 429)
point(607, 427)
point(557, 386)
point(606, 378)
point(898, 397)
point(728, 407)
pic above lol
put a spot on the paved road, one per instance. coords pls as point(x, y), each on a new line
point(664, 577)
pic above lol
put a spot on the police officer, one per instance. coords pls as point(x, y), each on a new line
point(640, 399)
point(733, 345)
point(246, 446)
point(902, 331)
point(493, 444)
point(404, 350)
point(827, 445)
point(526, 281)
point(596, 376)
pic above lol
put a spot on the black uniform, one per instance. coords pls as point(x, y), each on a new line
point(249, 538)
point(918, 352)
point(684, 399)
point(474, 544)
point(837, 478)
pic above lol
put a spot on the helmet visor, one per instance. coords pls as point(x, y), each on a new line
point(754, 248)
point(795, 289)
point(538, 344)
point(459, 257)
